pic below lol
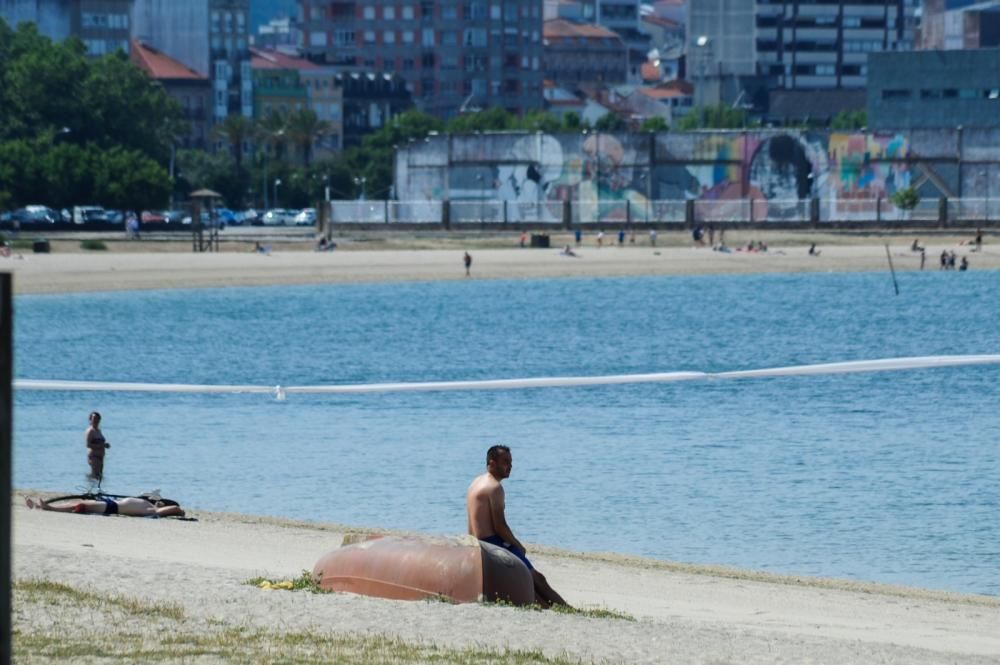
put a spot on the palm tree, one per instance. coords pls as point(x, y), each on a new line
point(304, 129)
point(235, 130)
point(271, 130)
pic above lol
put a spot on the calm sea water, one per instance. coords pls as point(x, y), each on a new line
point(889, 477)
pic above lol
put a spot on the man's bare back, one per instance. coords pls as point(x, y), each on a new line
point(483, 492)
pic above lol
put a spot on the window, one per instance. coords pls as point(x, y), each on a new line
point(389, 13)
point(448, 12)
point(389, 37)
point(449, 38)
point(216, 20)
point(407, 36)
point(369, 13)
point(369, 36)
point(408, 12)
point(895, 94)
point(474, 37)
point(427, 37)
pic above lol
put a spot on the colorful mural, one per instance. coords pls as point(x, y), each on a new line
point(616, 177)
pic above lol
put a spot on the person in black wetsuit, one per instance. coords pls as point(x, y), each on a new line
point(96, 445)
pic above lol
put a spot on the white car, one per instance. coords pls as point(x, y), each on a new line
point(306, 217)
point(276, 217)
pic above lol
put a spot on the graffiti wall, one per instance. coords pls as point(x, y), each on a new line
point(617, 176)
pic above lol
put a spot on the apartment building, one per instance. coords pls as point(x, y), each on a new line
point(284, 84)
point(583, 53)
point(719, 48)
point(102, 25)
point(209, 36)
point(191, 90)
point(823, 44)
point(959, 24)
point(454, 56)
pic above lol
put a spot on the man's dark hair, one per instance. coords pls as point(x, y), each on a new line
point(494, 452)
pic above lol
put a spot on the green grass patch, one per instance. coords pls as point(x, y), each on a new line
point(52, 593)
point(94, 245)
point(304, 582)
point(590, 612)
point(81, 626)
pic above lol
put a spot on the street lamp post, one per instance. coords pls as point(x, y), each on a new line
point(360, 181)
point(277, 183)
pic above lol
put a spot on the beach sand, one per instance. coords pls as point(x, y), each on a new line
point(683, 614)
point(161, 265)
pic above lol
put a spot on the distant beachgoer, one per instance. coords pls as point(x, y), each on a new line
point(711, 236)
point(621, 237)
point(5, 249)
point(468, 264)
point(568, 251)
point(915, 247)
point(951, 260)
point(697, 234)
point(979, 240)
point(923, 258)
point(600, 239)
point(130, 506)
point(722, 237)
point(578, 236)
point(964, 265)
point(944, 259)
point(485, 505)
point(652, 237)
point(524, 238)
point(631, 235)
point(96, 447)
point(813, 251)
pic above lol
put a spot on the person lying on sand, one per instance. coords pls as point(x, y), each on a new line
point(485, 506)
point(131, 506)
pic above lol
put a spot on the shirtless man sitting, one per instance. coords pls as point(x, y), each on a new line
point(484, 503)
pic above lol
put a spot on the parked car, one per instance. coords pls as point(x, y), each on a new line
point(225, 216)
point(249, 216)
point(306, 217)
point(84, 214)
point(153, 217)
point(174, 216)
point(37, 213)
point(278, 217)
point(114, 216)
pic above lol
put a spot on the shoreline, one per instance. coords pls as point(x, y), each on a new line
point(402, 258)
point(682, 613)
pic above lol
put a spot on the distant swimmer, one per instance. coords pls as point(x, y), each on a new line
point(96, 447)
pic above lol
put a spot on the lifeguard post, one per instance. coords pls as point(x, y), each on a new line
point(204, 199)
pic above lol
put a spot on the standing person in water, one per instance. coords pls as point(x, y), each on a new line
point(485, 506)
point(96, 446)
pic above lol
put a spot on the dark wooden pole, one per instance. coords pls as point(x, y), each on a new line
point(6, 454)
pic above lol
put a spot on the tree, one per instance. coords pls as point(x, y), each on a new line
point(611, 122)
point(719, 116)
point(491, 120)
point(271, 132)
point(654, 124)
point(850, 120)
point(304, 129)
point(906, 199)
point(235, 130)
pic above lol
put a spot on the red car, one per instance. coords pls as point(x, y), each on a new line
point(153, 217)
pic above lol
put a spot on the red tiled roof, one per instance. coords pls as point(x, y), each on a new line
point(267, 59)
point(562, 29)
point(660, 21)
point(650, 72)
point(159, 65)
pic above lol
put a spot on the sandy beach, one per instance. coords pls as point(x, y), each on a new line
point(681, 614)
point(177, 590)
point(375, 258)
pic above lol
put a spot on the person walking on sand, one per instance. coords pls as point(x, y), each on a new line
point(96, 446)
point(468, 264)
point(485, 507)
point(923, 258)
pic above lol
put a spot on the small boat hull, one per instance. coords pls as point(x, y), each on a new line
point(461, 569)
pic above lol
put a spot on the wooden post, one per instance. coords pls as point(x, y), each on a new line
point(6, 455)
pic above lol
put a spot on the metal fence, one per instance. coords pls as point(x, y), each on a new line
point(690, 212)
